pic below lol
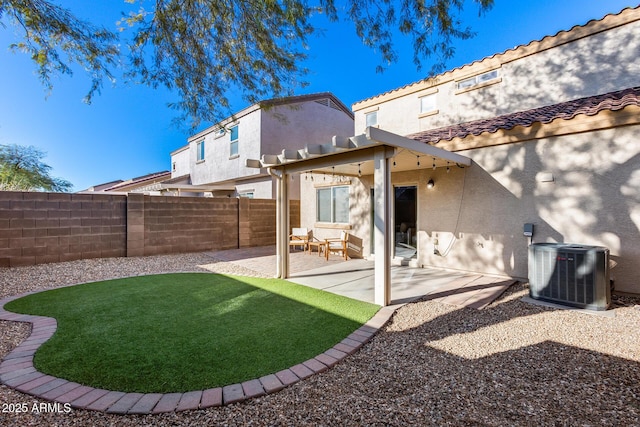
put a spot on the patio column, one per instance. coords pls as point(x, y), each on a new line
point(382, 227)
point(282, 227)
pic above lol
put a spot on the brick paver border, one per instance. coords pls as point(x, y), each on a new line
point(17, 371)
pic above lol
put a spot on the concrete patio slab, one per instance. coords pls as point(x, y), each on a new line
point(355, 279)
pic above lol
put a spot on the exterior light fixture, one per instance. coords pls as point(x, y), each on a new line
point(430, 184)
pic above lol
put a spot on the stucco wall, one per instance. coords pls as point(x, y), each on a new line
point(474, 217)
point(218, 165)
point(298, 125)
point(601, 63)
point(181, 158)
point(261, 131)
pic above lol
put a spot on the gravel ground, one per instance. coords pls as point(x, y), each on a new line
point(510, 364)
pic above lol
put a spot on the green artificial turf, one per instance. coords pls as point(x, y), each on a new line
point(187, 331)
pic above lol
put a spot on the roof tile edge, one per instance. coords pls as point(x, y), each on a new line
point(594, 26)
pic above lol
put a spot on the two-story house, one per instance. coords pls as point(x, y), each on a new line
point(213, 161)
point(549, 131)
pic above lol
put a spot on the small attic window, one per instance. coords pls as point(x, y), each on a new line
point(428, 103)
point(478, 80)
point(371, 119)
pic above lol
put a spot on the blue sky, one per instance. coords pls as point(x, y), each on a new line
point(127, 130)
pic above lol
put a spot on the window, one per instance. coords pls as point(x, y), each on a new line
point(332, 204)
point(219, 133)
point(200, 151)
point(371, 118)
point(428, 103)
point(248, 195)
point(173, 166)
point(476, 80)
point(233, 150)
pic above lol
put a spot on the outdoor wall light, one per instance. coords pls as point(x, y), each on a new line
point(430, 184)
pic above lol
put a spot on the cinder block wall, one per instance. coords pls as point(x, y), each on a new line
point(257, 219)
point(189, 224)
point(37, 228)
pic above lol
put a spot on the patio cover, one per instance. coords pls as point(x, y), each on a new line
point(375, 145)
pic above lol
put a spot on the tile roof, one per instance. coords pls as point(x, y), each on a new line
point(514, 50)
point(589, 106)
point(140, 179)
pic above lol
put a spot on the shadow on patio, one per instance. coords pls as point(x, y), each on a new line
point(355, 278)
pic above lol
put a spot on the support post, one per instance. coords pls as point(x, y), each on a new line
point(382, 227)
point(282, 227)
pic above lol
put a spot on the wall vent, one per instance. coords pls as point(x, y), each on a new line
point(575, 275)
point(329, 103)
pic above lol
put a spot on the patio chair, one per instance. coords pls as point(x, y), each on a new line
point(339, 245)
point(299, 237)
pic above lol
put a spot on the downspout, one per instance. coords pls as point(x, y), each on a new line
point(273, 173)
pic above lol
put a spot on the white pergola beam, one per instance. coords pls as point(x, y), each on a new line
point(253, 163)
point(335, 159)
point(342, 142)
point(361, 141)
point(270, 160)
point(291, 154)
point(385, 137)
point(314, 149)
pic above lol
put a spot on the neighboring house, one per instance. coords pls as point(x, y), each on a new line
point(216, 157)
point(150, 184)
point(551, 129)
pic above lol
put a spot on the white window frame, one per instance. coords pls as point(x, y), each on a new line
point(333, 192)
point(367, 117)
point(432, 105)
point(233, 143)
point(478, 80)
point(200, 151)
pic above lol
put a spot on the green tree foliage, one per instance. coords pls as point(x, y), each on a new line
point(54, 37)
point(22, 169)
point(205, 49)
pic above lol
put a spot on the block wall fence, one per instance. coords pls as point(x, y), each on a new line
point(38, 228)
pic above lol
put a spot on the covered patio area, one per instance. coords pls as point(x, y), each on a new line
point(356, 278)
point(370, 153)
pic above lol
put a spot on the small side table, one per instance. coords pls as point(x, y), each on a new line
point(320, 247)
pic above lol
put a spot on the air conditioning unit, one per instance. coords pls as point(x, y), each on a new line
point(569, 274)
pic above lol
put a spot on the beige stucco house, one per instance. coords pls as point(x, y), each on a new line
point(548, 134)
point(213, 161)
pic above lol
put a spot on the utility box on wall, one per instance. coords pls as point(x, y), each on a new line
point(575, 275)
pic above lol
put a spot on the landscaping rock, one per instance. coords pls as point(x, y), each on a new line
point(433, 364)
